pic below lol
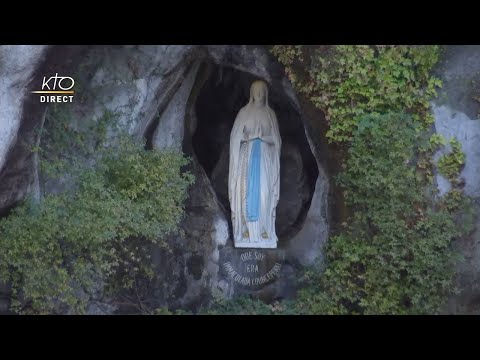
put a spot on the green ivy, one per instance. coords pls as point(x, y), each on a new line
point(101, 230)
point(166, 311)
point(435, 141)
point(396, 254)
point(450, 165)
point(348, 81)
point(245, 305)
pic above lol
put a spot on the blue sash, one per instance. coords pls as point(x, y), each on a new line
point(253, 181)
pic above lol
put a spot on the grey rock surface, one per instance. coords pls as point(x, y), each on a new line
point(170, 129)
point(456, 124)
point(17, 65)
point(456, 112)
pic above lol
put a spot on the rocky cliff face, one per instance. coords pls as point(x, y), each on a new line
point(184, 97)
point(187, 97)
point(17, 67)
point(457, 115)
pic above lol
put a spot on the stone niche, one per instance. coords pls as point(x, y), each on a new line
point(301, 211)
point(224, 93)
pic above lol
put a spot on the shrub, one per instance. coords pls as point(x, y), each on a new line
point(245, 305)
point(450, 165)
point(348, 81)
point(395, 255)
point(100, 231)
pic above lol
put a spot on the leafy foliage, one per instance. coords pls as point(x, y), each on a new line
point(54, 250)
point(395, 255)
point(69, 143)
point(348, 81)
point(244, 305)
point(435, 141)
point(166, 311)
point(450, 165)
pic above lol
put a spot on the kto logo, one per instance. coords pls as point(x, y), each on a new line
point(57, 87)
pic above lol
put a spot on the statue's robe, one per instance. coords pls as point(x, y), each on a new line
point(254, 175)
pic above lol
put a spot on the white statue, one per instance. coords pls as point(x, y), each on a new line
point(254, 172)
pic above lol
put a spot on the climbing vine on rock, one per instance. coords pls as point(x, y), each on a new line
point(395, 253)
point(451, 164)
point(348, 81)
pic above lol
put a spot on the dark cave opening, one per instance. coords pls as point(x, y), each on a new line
point(223, 94)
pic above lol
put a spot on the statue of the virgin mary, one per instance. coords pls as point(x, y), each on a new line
point(254, 172)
